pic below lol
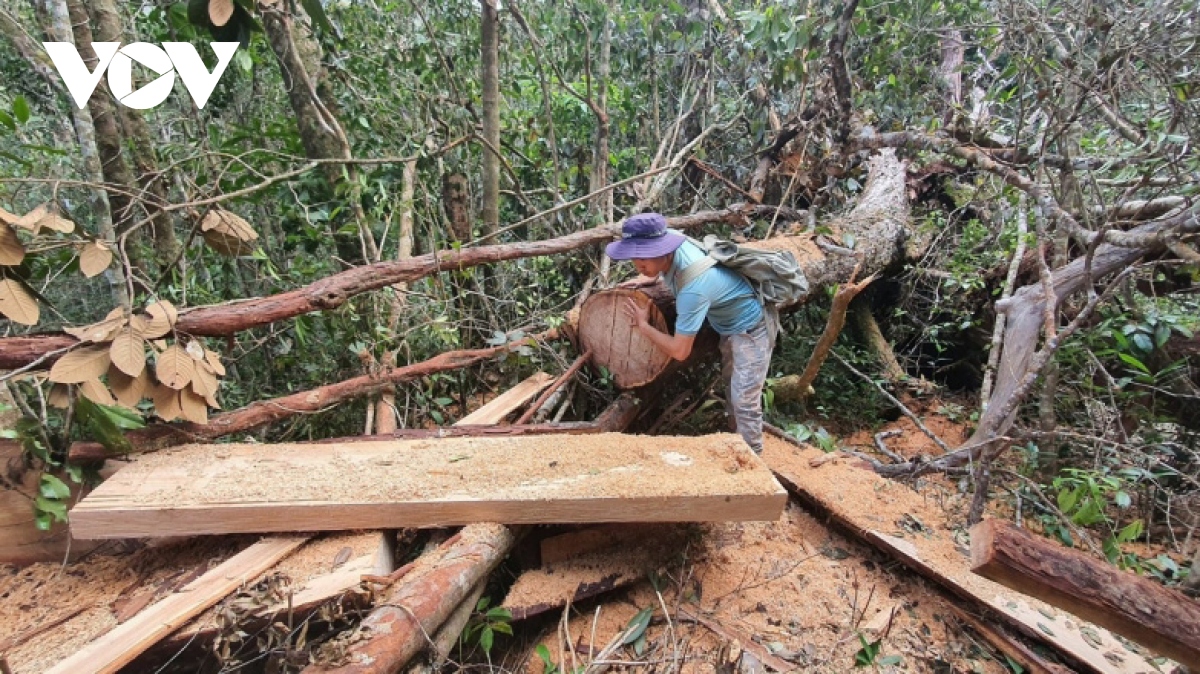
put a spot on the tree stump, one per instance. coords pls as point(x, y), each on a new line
point(616, 345)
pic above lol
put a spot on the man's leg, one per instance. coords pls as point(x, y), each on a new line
point(750, 361)
point(727, 381)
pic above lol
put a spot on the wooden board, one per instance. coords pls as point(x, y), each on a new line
point(632, 359)
point(497, 409)
point(610, 477)
point(121, 645)
point(884, 520)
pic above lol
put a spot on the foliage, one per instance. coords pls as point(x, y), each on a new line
point(484, 625)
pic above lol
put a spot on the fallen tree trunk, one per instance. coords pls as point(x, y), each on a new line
point(1160, 619)
point(933, 554)
point(334, 291)
point(871, 238)
point(396, 630)
point(264, 412)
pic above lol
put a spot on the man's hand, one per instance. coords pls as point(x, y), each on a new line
point(675, 346)
point(638, 315)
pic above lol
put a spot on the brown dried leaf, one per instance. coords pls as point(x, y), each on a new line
point(214, 359)
point(193, 407)
point(17, 304)
point(228, 233)
point(166, 402)
point(205, 382)
point(174, 367)
point(96, 392)
point(57, 223)
point(128, 352)
point(163, 316)
point(94, 258)
point(219, 11)
point(33, 219)
point(129, 391)
point(211, 400)
point(97, 332)
point(81, 365)
point(12, 251)
point(60, 396)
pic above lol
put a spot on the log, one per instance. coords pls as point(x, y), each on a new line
point(219, 320)
point(120, 646)
point(397, 629)
point(870, 237)
point(604, 330)
point(1161, 619)
point(251, 488)
point(934, 555)
point(562, 379)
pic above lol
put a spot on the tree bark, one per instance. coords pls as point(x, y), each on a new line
point(398, 626)
point(490, 75)
point(333, 291)
point(58, 29)
point(603, 203)
point(1160, 619)
point(110, 141)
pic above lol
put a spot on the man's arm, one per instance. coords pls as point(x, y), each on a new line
point(678, 347)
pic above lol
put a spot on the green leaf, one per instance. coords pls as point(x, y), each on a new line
point(52, 487)
point(866, 655)
point(1133, 362)
point(1162, 332)
point(637, 625)
point(1131, 531)
point(1014, 666)
point(7, 120)
point(502, 628)
point(121, 417)
point(486, 637)
point(317, 12)
point(890, 660)
point(20, 108)
point(499, 613)
point(243, 60)
point(1142, 341)
point(1122, 499)
point(483, 603)
point(1067, 498)
point(102, 427)
point(53, 507)
point(639, 646)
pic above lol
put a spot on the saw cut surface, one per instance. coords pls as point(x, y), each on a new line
point(632, 359)
point(610, 477)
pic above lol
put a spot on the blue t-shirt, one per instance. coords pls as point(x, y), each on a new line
point(723, 295)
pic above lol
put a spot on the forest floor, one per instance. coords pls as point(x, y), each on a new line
point(795, 591)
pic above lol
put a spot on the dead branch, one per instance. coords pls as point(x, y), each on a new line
point(334, 291)
point(833, 328)
point(1009, 281)
point(566, 376)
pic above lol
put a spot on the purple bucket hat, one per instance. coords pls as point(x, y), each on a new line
point(644, 236)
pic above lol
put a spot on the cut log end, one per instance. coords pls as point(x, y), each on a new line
point(617, 346)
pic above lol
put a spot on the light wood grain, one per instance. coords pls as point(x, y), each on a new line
point(497, 409)
point(213, 489)
point(120, 646)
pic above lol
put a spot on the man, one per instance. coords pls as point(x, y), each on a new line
point(722, 296)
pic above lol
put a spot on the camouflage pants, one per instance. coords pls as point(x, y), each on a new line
point(745, 359)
